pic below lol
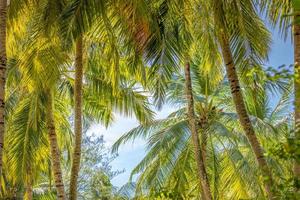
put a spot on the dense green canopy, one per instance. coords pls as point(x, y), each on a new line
point(68, 64)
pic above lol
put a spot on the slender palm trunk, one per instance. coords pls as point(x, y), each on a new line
point(28, 192)
point(28, 184)
point(297, 87)
point(203, 140)
point(54, 149)
point(3, 58)
point(192, 122)
point(243, 115)
point(204, 146)
point(78, 119)
point(202, 124)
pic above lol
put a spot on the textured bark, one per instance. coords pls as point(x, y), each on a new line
point(193, 127)
point(297, 87)
point(204, 146)
point(243, 115)
point(3, 58)
point(28, 192)
point(54, 150)
point(78, 119)
point(203, 140)
point(28, 184)
point(202, 125)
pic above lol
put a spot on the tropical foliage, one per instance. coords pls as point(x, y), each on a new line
point(66, 65)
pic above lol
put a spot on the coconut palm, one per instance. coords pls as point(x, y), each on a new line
point(169, 163)
point(75, 13)
point(284, 14)
point(239, 46)
point(27, 154)
point(49, 107)
point(162, 51)
point(78, 117)
point(199, 154)
point(30, 125)
point(40, 54)
point(3, 58)
point(101, 100)
point(226, 34)
point(79, 18)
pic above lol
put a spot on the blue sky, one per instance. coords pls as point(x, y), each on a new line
point(130, 154)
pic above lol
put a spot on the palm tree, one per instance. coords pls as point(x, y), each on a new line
point(100, 102)
point(193, 126)
point(233, 34)
point(23, 135)
point(242, 113)
point(284, 13)
point(78, 117)
point(162, 51)
point(224, 35)
point(74, 25)
point(51, 63)
point(84, 18)
point(54, 149)
point(169, 163)
point(27, 153)
point(46, 55)
point(3, 58)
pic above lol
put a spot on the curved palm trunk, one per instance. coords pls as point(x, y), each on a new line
point(192, 122)
point(78, 119)
point(243, 115)
point(54, 149)
point(3, 58)
point(297, 87)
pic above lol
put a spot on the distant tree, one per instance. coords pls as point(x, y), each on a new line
point(94, 181)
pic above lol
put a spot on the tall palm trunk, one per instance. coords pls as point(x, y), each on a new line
point(54, 150)
point(297, 85)
point(243, 115)
point(3, 58)
point(192, 122)
point(78, 119)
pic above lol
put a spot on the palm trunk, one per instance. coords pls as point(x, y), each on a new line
point(28, 192)
point(28, 184)
point(243, 115)
point(3, 58)
point(203, 146)
point(192, 122)
point(78, 119)
point(203, 140)
point(202, 124)
point(54, 149)
point(297, 88)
